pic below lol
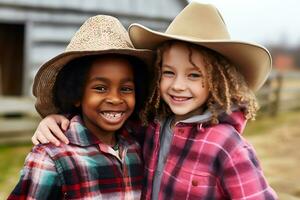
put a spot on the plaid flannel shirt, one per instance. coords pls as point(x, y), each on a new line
point(84, 169)
point(206, 162)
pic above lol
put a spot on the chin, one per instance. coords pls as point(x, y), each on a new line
point(179, 112)
point(111, 128)
point(114, 128)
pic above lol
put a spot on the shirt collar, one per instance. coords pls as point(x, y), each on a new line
point(79, 135)
point(205, 116)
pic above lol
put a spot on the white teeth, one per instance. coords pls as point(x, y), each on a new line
point(180, 98)
point(112, 115)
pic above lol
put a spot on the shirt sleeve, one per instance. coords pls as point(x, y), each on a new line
point(39, 178)
point(243, 178)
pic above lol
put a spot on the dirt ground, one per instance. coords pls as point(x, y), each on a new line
point(280, 158)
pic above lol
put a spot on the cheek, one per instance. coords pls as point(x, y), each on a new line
point(163, 85)
point(90, 98)
point(203, 94)
point(130, 99)
point(203, 89)
point(162, 89)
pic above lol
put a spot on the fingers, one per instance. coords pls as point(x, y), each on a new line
point(65, 124)
point(48, 135)
point(43, 133)
point(49, 130)
point(34, 140)
point(53, 125)
point(38, 137)
point(55, 129)
point(42, 139)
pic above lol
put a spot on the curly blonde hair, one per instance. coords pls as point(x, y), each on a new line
point(226, 85)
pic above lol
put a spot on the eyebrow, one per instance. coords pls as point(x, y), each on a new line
point(193, 68)
point(169, 66)
point(106, 80)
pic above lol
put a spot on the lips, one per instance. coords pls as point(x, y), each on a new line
point(179, 99)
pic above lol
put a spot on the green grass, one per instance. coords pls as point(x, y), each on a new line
point(264, 124)
point(12, 160)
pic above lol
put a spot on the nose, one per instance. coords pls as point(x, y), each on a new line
point(178, 84)
point(114, 98)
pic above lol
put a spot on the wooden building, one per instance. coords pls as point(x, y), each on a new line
point(33, 31)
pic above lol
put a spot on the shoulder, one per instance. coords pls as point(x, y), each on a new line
point(50, 150)
point(39, 160)
point(224, 134)
point(39, 150)
point(233, 146)
point(225, 138)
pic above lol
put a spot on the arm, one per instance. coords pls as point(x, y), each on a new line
point(51, 129)
point(243, 177)
point(39, 178)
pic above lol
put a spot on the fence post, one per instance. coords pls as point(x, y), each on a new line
point(267, 95)
point(277, 93)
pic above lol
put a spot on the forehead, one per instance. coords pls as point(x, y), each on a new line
point(179, 54)
point(111, 67)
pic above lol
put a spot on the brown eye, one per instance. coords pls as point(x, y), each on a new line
point(100, 89)
point(127, 89)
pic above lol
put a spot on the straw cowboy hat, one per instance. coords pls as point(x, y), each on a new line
point(98, 35)
point(202, 24)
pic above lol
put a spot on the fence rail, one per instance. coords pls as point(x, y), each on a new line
point(18, 119)
point(280, 93)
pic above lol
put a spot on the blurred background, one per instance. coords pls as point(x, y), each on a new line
point(32, 32)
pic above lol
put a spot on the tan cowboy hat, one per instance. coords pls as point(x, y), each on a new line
point(98, 35)
point(202, 24)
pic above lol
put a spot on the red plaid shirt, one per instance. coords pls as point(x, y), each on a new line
point(206, 162)
point(84, 169)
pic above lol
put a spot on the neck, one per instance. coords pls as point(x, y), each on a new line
point(106, 137)
point(109, 139)
point(178, 118)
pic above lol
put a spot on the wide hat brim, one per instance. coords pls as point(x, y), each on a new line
point(46, 76)
point(252, 60)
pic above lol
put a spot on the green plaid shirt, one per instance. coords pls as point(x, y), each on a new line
point(83, 169)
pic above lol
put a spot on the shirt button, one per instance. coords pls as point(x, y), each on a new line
point(180, 131)
point(194, 183)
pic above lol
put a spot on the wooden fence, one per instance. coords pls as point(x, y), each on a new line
point(280, 93)
point(18, 119)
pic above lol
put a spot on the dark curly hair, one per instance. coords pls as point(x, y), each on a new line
point(69, 85)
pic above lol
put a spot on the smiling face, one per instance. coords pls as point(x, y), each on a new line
point(108, 96)
point(183, 84)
